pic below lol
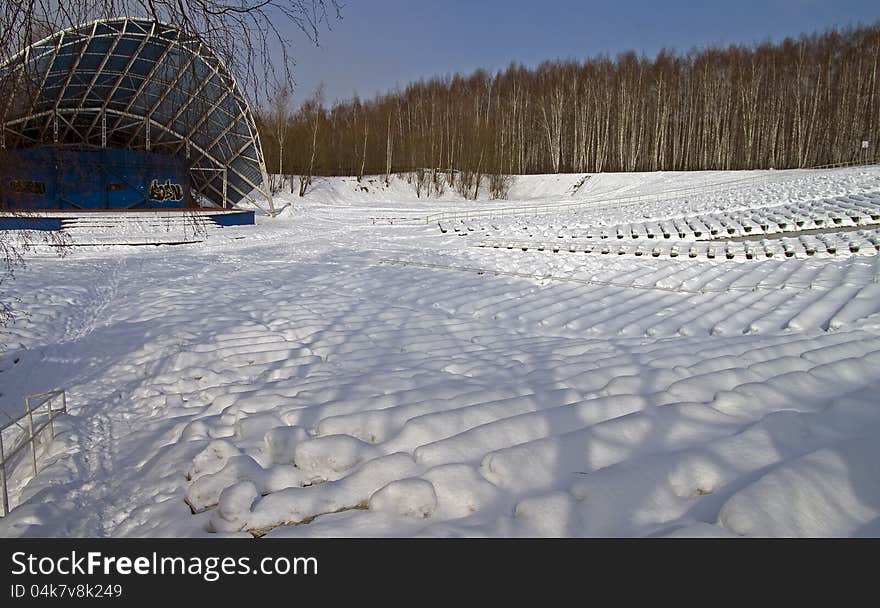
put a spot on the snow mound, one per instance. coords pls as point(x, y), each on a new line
point(831, 492)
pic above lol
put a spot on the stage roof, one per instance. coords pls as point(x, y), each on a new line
point(136, 83)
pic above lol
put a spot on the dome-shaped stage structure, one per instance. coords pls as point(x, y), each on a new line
point(125, 114)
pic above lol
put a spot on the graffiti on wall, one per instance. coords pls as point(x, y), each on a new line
point(166, 191)
point(26, 186)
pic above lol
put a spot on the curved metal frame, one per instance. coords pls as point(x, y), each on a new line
point(141, 84)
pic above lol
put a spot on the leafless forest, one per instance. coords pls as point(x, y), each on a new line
point(803, 102)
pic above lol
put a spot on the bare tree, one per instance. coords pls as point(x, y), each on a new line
point(313, 110)
point(279, 119)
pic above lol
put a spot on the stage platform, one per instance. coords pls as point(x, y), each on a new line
point(129, 227)
point(61, 219)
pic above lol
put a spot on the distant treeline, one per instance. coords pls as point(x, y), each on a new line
point(804, 102)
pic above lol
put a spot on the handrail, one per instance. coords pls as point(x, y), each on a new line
point(29, 436)
point(604, 203)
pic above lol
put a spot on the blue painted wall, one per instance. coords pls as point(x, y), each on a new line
point(30, 223)
point(91, 178)
point(239, 218)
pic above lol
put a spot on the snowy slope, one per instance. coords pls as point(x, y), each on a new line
point(349, 369)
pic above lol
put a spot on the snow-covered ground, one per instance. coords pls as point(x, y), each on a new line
point(349, 369)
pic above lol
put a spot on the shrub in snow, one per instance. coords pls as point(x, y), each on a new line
point(205, 491)
point(330, 456)
point(280, 443)
point(212, 458)
point(298, 505)
point(407, 497)
point(234, 507)
point(255, 426)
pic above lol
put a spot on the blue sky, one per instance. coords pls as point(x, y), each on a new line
point(383, 43)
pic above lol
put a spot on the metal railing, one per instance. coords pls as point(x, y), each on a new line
point(612, 202)
point(39, 415)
